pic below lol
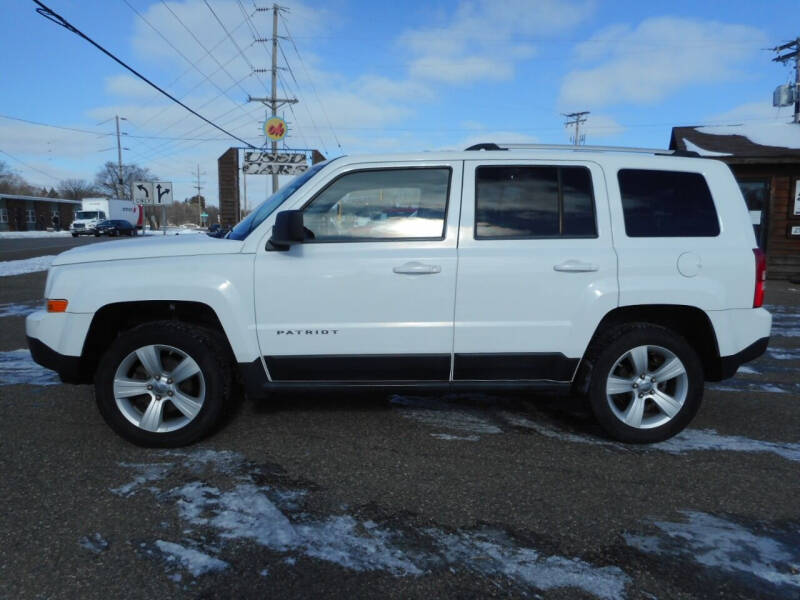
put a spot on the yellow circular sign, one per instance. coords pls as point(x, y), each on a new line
point(275, 128)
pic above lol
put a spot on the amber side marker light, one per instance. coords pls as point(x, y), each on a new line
point(56, 305)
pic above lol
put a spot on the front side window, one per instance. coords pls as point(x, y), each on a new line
point(381, 204)
point(266, 208)
point(3, 215)
point(517, 202)
point(667, 204)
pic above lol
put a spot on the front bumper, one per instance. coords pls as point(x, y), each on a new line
point(67, 367)
point(56, 341)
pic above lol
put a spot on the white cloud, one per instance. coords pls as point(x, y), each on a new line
point(129, 86)
point(750, 111)
point(600, 127)
point(484, 39)
point(661, 55)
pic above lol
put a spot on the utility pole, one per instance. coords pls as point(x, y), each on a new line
point(576, 119)
point(783, 59)
point(199, 186)
point(120, 185)
point(273, 101)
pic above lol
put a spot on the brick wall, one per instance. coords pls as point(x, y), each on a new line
point(228, 172)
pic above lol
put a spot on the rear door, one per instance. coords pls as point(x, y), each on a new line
point(537, 269)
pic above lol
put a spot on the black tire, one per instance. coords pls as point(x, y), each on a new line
point(205, 347)
point(74, 235)
point(613, 345)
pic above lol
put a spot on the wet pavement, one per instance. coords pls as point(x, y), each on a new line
point(382, 495)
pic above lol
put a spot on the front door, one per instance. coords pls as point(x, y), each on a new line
point(371, 296)
point(537, 269)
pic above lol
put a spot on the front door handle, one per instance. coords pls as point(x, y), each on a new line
point(576, 266)
point(417, 268)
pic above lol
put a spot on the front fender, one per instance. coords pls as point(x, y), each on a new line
point(222, 282)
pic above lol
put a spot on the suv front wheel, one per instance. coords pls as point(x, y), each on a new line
point(646, 385)
point(163, 384)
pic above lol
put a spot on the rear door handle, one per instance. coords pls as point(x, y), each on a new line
point(417, 268)
point(576, 266)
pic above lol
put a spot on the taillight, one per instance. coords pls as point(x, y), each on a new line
point(761, 277)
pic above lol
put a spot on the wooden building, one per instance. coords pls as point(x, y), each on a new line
point(765, 159)
point(32, 213)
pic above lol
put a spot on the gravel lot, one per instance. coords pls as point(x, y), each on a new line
point(374, 495)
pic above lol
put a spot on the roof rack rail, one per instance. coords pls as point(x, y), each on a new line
point(659, 151)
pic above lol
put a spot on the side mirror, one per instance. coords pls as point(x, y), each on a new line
point(288, 230)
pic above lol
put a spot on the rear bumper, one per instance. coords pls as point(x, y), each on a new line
point(67, 367)
point(730, 364)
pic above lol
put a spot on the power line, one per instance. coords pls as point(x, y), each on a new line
point(29, 166)
point(230, 37)
point(183, 56)
point(310, 81)
point(51, 15)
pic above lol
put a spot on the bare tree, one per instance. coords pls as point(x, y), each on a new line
point(76, 189)
point(11, 183)
point(107, 179)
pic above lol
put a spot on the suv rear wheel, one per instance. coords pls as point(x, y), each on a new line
point(163, 384)
point(647, 383)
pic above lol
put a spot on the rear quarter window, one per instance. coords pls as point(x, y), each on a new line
point(667, 204)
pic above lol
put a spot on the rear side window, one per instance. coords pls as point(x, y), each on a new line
point(667, 204)
point(513, 202)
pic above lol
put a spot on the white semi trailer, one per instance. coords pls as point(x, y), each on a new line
point(95, 210)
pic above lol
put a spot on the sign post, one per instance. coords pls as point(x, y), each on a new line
point(153, 193)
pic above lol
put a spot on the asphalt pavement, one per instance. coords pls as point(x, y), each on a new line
point(375, 495)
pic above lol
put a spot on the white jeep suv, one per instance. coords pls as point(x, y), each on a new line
point(629, 276)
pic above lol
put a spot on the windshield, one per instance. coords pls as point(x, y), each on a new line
point(87, 214)
point(266, 208)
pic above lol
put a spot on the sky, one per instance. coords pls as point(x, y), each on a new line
point(374, 77)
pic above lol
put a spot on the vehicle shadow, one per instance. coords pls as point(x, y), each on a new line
point(532, 413)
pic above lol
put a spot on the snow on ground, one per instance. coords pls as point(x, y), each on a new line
point(784, 353)
point(722, 544)
point(436, 413)
point(235, 508)
point(702, 151)
point(785, 320)
point(781, 135)
point(691, 440)
point(31, 235)
point(194, 561)
point(94, 543)
point(174, 231)
point(745, 385)
point(19, 310)
point(17, 367)
point(26, 265)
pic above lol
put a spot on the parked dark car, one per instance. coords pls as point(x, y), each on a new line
point(114, 227)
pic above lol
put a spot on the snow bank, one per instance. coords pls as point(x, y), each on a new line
point(26, 265)
point(31, 235)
